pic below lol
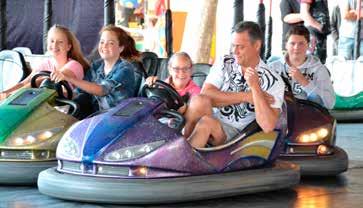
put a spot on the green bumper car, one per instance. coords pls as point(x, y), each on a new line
point(347, 76)
point(31, 124)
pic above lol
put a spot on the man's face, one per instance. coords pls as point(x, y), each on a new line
point(243, 50)
point(297, 46)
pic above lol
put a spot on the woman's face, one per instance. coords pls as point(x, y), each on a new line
point(181, 71)
point(58, 44)
point(109, 47)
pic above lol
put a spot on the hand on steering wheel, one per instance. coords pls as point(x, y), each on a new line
point(47, 83)
point(165, 92)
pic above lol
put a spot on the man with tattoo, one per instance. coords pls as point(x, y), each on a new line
point(238, 90)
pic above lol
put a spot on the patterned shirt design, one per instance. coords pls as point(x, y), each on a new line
point(229, 78)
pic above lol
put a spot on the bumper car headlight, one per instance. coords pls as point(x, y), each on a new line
point(324, 150)
point(132, 152)
point(34, 137)
point(315, 135)
point(67, 146)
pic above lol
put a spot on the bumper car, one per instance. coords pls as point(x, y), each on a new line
point(311, 139)
point(30, 128)
point(13, 68)
point(348, 86)
point(128, 156)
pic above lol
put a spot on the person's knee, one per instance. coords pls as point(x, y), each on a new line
point(200, 102)
point(205, 123)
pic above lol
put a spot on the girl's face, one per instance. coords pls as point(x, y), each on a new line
point(109, 46)
point(181, 71)
point(58, 44)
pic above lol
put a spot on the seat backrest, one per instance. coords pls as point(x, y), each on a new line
point(34, 60)
point(162, 70)
point(23, 50)
point(150, 62)
point(200, 73)
point(13, 68)
point(140, 76)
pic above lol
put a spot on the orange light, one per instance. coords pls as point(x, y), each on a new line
point(29, 139)
point(313, 137)
point(143, 171)
point(323, 133)
point(45, 135)
point(322, 150)
point(305, 138)
point(19, 141)
point(139, 171)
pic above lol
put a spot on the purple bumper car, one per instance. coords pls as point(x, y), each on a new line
point(127, 155)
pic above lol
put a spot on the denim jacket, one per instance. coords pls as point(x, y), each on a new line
point(117, 85)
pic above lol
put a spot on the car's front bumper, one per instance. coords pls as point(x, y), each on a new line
point(330, 165)
point(167, 190)
point(348, 114)
point(22, 173)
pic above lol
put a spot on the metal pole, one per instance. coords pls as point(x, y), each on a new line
point(109, 12)
point(268, 35)
point(261, 21)
point(238, 11)
point(168, 30)
point(3, 24)
point(47, 21)
point(356, 52)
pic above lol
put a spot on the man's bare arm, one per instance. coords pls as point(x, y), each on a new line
point(220, 98)
point(293, 18)
point(308, 19)
point(266, 116)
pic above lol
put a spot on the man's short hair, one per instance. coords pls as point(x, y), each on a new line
point(298, 30)
point(252, 28)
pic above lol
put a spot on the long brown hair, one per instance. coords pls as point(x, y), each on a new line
point(130, 52)
point(75, 52)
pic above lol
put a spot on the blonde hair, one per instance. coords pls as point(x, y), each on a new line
point(180, 54)
point(75, 52)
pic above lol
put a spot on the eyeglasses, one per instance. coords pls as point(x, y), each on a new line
point(181, 69)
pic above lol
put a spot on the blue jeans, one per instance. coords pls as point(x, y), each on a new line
point(346, 47)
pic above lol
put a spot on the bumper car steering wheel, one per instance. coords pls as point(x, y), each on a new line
point(163, 91)
point(62, 99)
point(47, 83)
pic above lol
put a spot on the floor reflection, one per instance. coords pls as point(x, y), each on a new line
point(18, 205)
point(319, 191)
point(312, 198)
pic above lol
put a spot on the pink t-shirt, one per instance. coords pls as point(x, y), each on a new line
point(191, 88)
point(74, 66)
